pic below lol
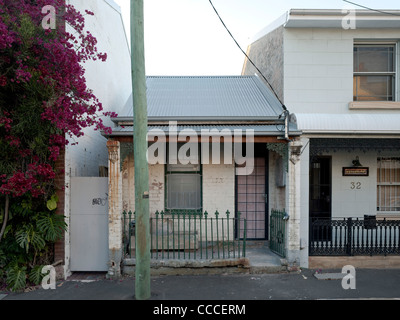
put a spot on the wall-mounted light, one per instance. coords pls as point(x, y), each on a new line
point(356, 162)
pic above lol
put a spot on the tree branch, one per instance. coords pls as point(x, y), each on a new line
point(3, 228)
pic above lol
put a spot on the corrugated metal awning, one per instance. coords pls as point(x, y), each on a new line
point(372, 123)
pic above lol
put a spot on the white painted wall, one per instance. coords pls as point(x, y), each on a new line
point(110, 82)
point(318, 68)
point(355, 202)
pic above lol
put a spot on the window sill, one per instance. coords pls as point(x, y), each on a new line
point(388, 216)
point(183, 212)
point(381, 105)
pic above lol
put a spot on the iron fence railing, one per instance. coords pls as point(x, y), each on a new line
point(190, 235)
point(354, 236)
point(277, 223)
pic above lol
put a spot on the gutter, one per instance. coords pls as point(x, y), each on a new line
point(340, 12)
point(202, 120)
point(350, 132)
point(256, 134)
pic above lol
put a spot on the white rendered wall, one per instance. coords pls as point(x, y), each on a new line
point(318, 68)
point(110, 82)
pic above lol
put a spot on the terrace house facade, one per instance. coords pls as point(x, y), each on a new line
point(338, 72)
point(216, 145)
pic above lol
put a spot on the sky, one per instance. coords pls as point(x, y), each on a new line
point(185, 37)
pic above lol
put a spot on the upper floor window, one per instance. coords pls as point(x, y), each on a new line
point(374, 72)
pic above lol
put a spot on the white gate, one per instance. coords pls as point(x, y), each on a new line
point(89, 224)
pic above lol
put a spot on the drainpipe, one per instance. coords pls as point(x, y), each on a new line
point(285, 114)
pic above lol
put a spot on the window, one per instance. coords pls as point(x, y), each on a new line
point(388, 183)
point(183, 187)
point(374, 72)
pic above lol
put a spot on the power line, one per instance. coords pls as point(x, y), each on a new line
point(248, 58)
point(376, 10)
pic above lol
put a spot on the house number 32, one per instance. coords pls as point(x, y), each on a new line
point(355, 185)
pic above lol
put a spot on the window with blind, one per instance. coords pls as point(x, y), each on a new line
point(374, 72)
point(388, 185)
point(183, 186)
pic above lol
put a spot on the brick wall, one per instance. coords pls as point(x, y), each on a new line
point(59, 248)
point(156, 186)
point(219, 188)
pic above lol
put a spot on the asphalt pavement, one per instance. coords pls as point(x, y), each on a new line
point(367, 284)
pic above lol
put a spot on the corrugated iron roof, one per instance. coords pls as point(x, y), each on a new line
point(207, 97)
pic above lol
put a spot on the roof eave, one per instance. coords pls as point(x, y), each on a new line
point(256, 134)
point(204, 119)
point(333, 18)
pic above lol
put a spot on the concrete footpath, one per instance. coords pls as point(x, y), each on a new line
point(301, 285)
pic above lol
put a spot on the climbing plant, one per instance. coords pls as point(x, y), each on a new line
point(44, 100)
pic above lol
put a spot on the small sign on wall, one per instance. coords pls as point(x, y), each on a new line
point(355, 171)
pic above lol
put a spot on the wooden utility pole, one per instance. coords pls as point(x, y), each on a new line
point(142, 226)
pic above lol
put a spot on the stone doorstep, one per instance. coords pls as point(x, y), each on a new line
point(254, 263)
point(170, 263)
point(192, 267)
point(180, 267)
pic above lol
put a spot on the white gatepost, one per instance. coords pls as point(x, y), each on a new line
point(304, 200)
point(293, 197)
point(114, 211)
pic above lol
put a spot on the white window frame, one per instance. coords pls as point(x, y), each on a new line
point(390, 181)
point(395, 73)
point(179, 170)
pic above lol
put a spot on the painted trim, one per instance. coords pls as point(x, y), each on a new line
point(389, 105)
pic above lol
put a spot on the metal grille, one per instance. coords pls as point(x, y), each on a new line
point(350, 236)
point(251, 200)
point(277, 242)
point(189, 235)
point(388, 185)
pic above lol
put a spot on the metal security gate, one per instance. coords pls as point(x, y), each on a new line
point(89, 224)
point(251, 200)
point(277, 234)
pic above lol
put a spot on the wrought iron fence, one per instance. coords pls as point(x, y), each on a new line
point(277, 236)
point(354, 236)
point(190, 235)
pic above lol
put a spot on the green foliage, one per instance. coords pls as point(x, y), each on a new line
point(52, 203)
point(29, 236)
point(27, 243)
point(16, 277)
point(3, 263)
point(36, 275)
point(51, 226)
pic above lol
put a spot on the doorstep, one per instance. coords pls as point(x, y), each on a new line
point(259, 259)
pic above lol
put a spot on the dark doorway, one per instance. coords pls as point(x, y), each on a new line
point(321, 194)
